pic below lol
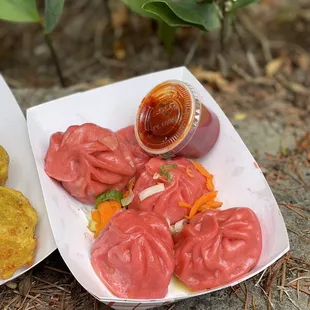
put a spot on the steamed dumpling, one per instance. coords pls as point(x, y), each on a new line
point(182, 188)
point(217, 247)
point(89, 160)
point(133, 255)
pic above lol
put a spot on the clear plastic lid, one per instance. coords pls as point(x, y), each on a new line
point(167, 118)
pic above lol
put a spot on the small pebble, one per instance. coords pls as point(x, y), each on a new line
point(11, 285)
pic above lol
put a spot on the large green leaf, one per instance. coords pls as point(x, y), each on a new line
point(19, 11)
point(184, 13)
point(52, 12)
point(136, 6)
point(241, 3)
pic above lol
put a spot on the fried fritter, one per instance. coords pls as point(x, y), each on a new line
point(18, 220)
point(4, 165)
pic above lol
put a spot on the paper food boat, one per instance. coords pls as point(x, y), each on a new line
point(238, 178)
point(23, 175)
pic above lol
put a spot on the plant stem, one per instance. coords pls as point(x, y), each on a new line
point(223, 27)
point(107, 11)
point(193, 49)
point(49, 43)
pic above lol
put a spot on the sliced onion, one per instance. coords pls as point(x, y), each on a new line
point(156, 176)
point(88, 216)
point(172, 230)
point(127, 200)
point(178, 226)
point(152, 191)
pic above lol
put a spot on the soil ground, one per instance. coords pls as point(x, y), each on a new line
point(261, 82)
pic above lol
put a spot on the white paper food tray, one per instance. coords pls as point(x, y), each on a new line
point(23, 175)
point(238, 178)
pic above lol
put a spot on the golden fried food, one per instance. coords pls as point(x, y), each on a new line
point(4, 165)
point(18, 220)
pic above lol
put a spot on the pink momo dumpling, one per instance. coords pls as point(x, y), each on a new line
point(217, 247)
point(140, 157)
point(89, 160)
point(182, 188)
point(133, 255)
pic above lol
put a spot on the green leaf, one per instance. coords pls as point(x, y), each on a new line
point(163, 171)
point(19, 11)
point(112, 194)
point(52, 12)
point(184, 13)
point(136, 6)
point(166, 34)
point(236, 4)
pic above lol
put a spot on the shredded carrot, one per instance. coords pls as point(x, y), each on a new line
point(95, 216)
point(200, 168)
point(210, 185)
point(130, 187)
point(201, 201)
point(104, 213)
point(215, 204)
point(189, 173)
point(131, 184)
point(210, 205)
point(184, 204)
point(187, 217)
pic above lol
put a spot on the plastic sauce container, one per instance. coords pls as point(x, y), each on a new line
point(172, 121)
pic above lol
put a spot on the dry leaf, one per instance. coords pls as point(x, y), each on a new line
point(240, 116)
point(12, 285)
point(119, 50)
point(304, 62)
point(120, 17)
point(299, 89)
point(214, 78)
point(25, 284)
point(274, 66)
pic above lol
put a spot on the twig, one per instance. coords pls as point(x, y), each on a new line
point(247, 24)
point(300, 261)
point(269, 301)
point(291, 208)
point(58, 270)
point(246, 305)
point(251, 59)
point(301, 289)
point(222, 64)
point(253, 63)
point(283, 279)
point(55, 285)
point(260, 278)
point(298, 286)
point(291, 300)
point(299, 207)
point(192, 50)
point(241, 72)
point(299, 278)
point(50, 45)
point(11, 302)
point(253, 303)
point(235, 291)
point(298, 234)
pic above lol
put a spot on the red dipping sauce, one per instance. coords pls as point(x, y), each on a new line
point(172, 121)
